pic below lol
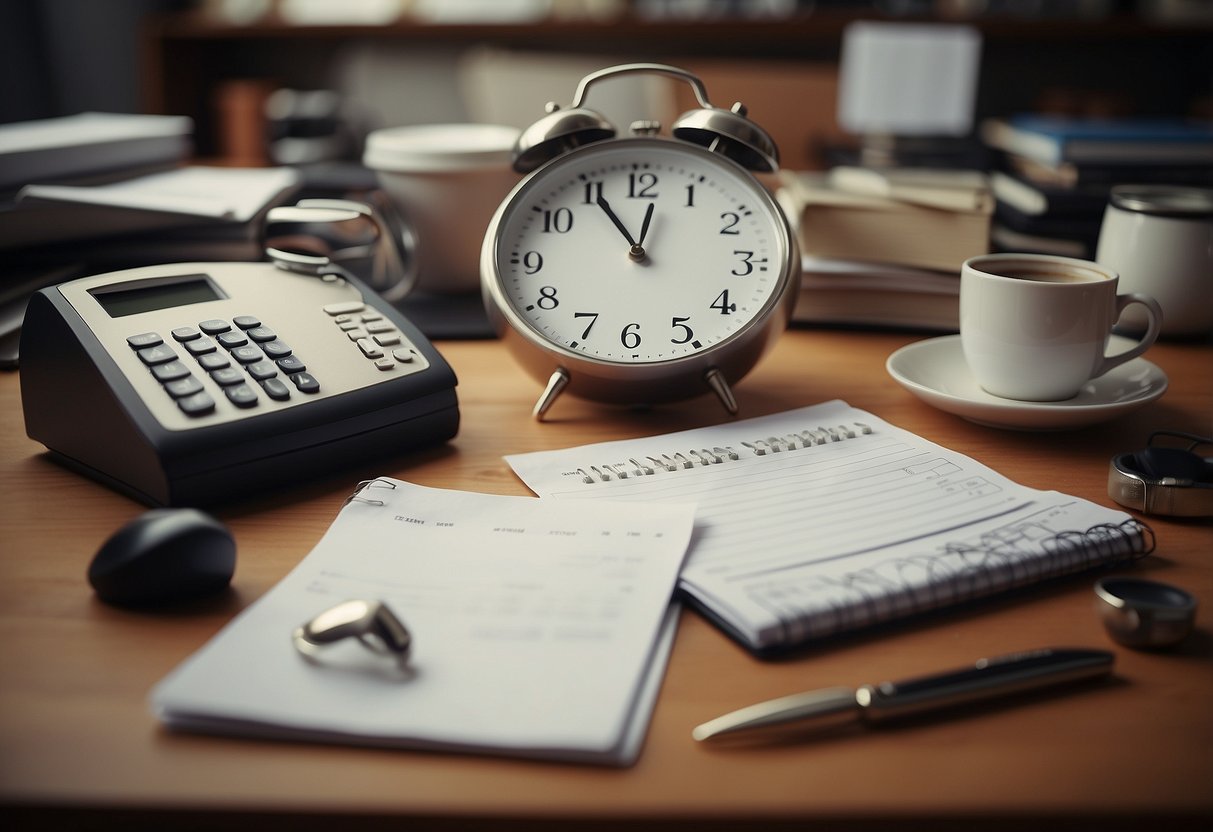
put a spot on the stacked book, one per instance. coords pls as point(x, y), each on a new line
point(883, 247)
point(99, 181)
point(94, 192)
point(1053, 174)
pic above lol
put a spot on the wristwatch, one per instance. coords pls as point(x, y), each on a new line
point(1160, 480)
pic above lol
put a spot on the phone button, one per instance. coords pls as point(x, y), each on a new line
point(228, 376)
point(291, 364)
point(198, 404)
point(306, 382)
point(171, 371)
point(345, 308)
point(275, 389)
point(145, 339)
point(241, 395)
point(183, 387)
point(157, 355)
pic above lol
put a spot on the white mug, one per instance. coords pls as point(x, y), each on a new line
point(1035, 327)
point(1159, 238)
point(445, 180)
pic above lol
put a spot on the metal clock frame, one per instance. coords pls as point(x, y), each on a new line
point(717, 136)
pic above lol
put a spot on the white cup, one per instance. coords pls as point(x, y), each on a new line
point(1159, 238)
point(445, 180)
point(1035, 327)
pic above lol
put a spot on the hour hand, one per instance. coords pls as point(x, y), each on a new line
point(644, 227)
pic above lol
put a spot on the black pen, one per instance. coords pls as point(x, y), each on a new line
point(986, 679)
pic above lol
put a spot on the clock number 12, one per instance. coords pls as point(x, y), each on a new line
point(641, 185)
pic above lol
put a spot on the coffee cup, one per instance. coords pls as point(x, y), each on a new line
point(445, 181)
point(1035, 327)
point(1159, 238)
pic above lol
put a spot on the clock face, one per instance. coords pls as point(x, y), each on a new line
point(640, 251)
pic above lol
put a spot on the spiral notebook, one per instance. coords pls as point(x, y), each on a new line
point(827, 519)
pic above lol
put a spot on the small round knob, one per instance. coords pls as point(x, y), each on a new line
point(645, 127)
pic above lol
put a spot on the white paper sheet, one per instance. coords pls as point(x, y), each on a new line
point(540, 629)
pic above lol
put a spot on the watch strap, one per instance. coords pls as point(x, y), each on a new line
point(1163, 495)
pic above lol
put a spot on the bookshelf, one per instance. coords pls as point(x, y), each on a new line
point(1122, 59)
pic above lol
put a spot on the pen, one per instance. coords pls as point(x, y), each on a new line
point(985, 679)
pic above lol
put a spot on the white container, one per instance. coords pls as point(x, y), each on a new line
point(1035, 327)
point(446, 180)
point(1160, 239)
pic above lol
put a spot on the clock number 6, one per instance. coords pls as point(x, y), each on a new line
point(630, 338)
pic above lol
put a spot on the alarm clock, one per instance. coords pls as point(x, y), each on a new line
point(640, 269)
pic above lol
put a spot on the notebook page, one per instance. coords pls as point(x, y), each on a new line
point(539, 629)
point(796, 540)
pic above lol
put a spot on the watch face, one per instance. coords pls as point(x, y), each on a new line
point(638, 251)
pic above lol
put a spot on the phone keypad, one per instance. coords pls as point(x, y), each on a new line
point(372, 334)
point(243, 357)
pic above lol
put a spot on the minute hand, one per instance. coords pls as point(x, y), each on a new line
point(606, 206)
point(635, 249)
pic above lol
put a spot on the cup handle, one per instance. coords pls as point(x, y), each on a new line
point(1153, 312)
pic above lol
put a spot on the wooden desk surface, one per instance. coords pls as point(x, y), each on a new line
point(78, 743)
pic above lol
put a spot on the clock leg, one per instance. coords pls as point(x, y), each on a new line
point(556, 385)
point(720, 387)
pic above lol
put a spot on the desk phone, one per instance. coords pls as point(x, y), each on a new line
point(194, 383)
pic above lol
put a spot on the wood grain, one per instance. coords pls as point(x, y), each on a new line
point(79, 745)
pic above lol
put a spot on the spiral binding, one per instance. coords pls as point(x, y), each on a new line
point(682, 460)
point(823, 606)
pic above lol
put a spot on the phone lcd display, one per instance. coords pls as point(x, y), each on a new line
point(148, 296)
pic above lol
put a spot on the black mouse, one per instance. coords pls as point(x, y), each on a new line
point(162, 556)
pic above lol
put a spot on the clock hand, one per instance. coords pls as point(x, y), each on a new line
point(606, 206)
point(635, 249)
point(644, 226)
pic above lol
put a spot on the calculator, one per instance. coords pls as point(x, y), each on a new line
point(197, 383)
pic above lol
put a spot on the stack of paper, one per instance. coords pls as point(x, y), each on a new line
point(540, 629)
point(200, 206)
point(88, 144)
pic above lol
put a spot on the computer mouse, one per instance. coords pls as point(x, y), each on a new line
point(162, 556)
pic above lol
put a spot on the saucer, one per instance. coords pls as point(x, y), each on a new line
point(935, 371)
